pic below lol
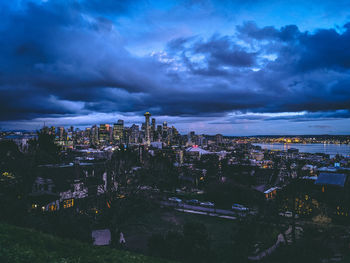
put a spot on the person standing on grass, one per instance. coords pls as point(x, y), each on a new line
point(122, 241)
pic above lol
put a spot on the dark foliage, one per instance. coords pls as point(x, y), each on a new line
point(192, 245)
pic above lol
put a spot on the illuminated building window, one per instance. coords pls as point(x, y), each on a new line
point(68, 203)
point(53, 207)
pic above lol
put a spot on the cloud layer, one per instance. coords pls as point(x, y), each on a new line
point(64, 59)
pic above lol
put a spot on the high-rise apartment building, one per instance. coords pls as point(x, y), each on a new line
point(153, 130)
point(153, 125)
point(147, 128)
point(118, 131)
point(134, 133)
point(104, 133)
point(61, 133)
point(219, 139)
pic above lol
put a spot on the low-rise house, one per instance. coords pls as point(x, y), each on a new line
point(66, 186)
point(271, 193)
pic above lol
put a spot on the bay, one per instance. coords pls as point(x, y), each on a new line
point(331, 149)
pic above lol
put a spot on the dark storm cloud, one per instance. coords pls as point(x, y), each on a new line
point(323, 49)
point(251, 30)
point(326, 49)
point(217, 52)
point(69, 58)
point(52, 50)
point(222, 51)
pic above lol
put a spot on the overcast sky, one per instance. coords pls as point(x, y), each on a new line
point(231, 67)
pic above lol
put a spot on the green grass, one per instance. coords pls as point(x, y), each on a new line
point(19, 245)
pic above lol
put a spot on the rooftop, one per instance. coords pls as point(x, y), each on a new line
point(331, 179)
point(197, 149)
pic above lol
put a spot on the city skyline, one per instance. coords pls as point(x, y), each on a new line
point(212, 67)
point(184, 128)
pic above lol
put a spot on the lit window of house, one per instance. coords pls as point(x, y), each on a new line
point(68, 203)
point(52, 207)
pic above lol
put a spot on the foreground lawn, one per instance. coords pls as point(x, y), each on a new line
point(160, 221)
point(27, 245)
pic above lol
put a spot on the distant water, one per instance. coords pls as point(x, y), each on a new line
point(331, 149)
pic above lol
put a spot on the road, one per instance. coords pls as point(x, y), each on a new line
point(183, 206)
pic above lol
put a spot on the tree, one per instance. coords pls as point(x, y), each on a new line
point(128, 201)
point(12, 178)
point(209, 162)
point(43, 149)
point(160, 173)
point(9, 156)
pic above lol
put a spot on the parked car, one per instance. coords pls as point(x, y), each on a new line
point(207, 204)
point(288, 214)
point(192, 202)
point(240, 208)
point(175, 200)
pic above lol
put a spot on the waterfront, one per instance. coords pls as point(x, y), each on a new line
point(331, 149)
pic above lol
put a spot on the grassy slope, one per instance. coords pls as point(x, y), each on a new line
point(162, 221)
point(27, 245)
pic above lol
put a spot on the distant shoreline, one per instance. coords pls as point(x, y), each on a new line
point(326, 148)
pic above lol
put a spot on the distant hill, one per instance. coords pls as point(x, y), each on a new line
point(19, 245)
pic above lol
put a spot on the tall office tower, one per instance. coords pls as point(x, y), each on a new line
point(52, 130)
point(87, 132)
point(104, 133)
point(148, 128)
point(110, 134)
point(200, 140)
point(153, 130)
point(174, 135)
point(126, 135)
point(191, 138)
point(165, 131)
point(134, 133)
point(219, 139)
point(94, 135)
point(118, 129)
point(153, 124)
point(61, 132)
point(159, 132)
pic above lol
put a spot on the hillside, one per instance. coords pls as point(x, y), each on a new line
point(19, 245)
